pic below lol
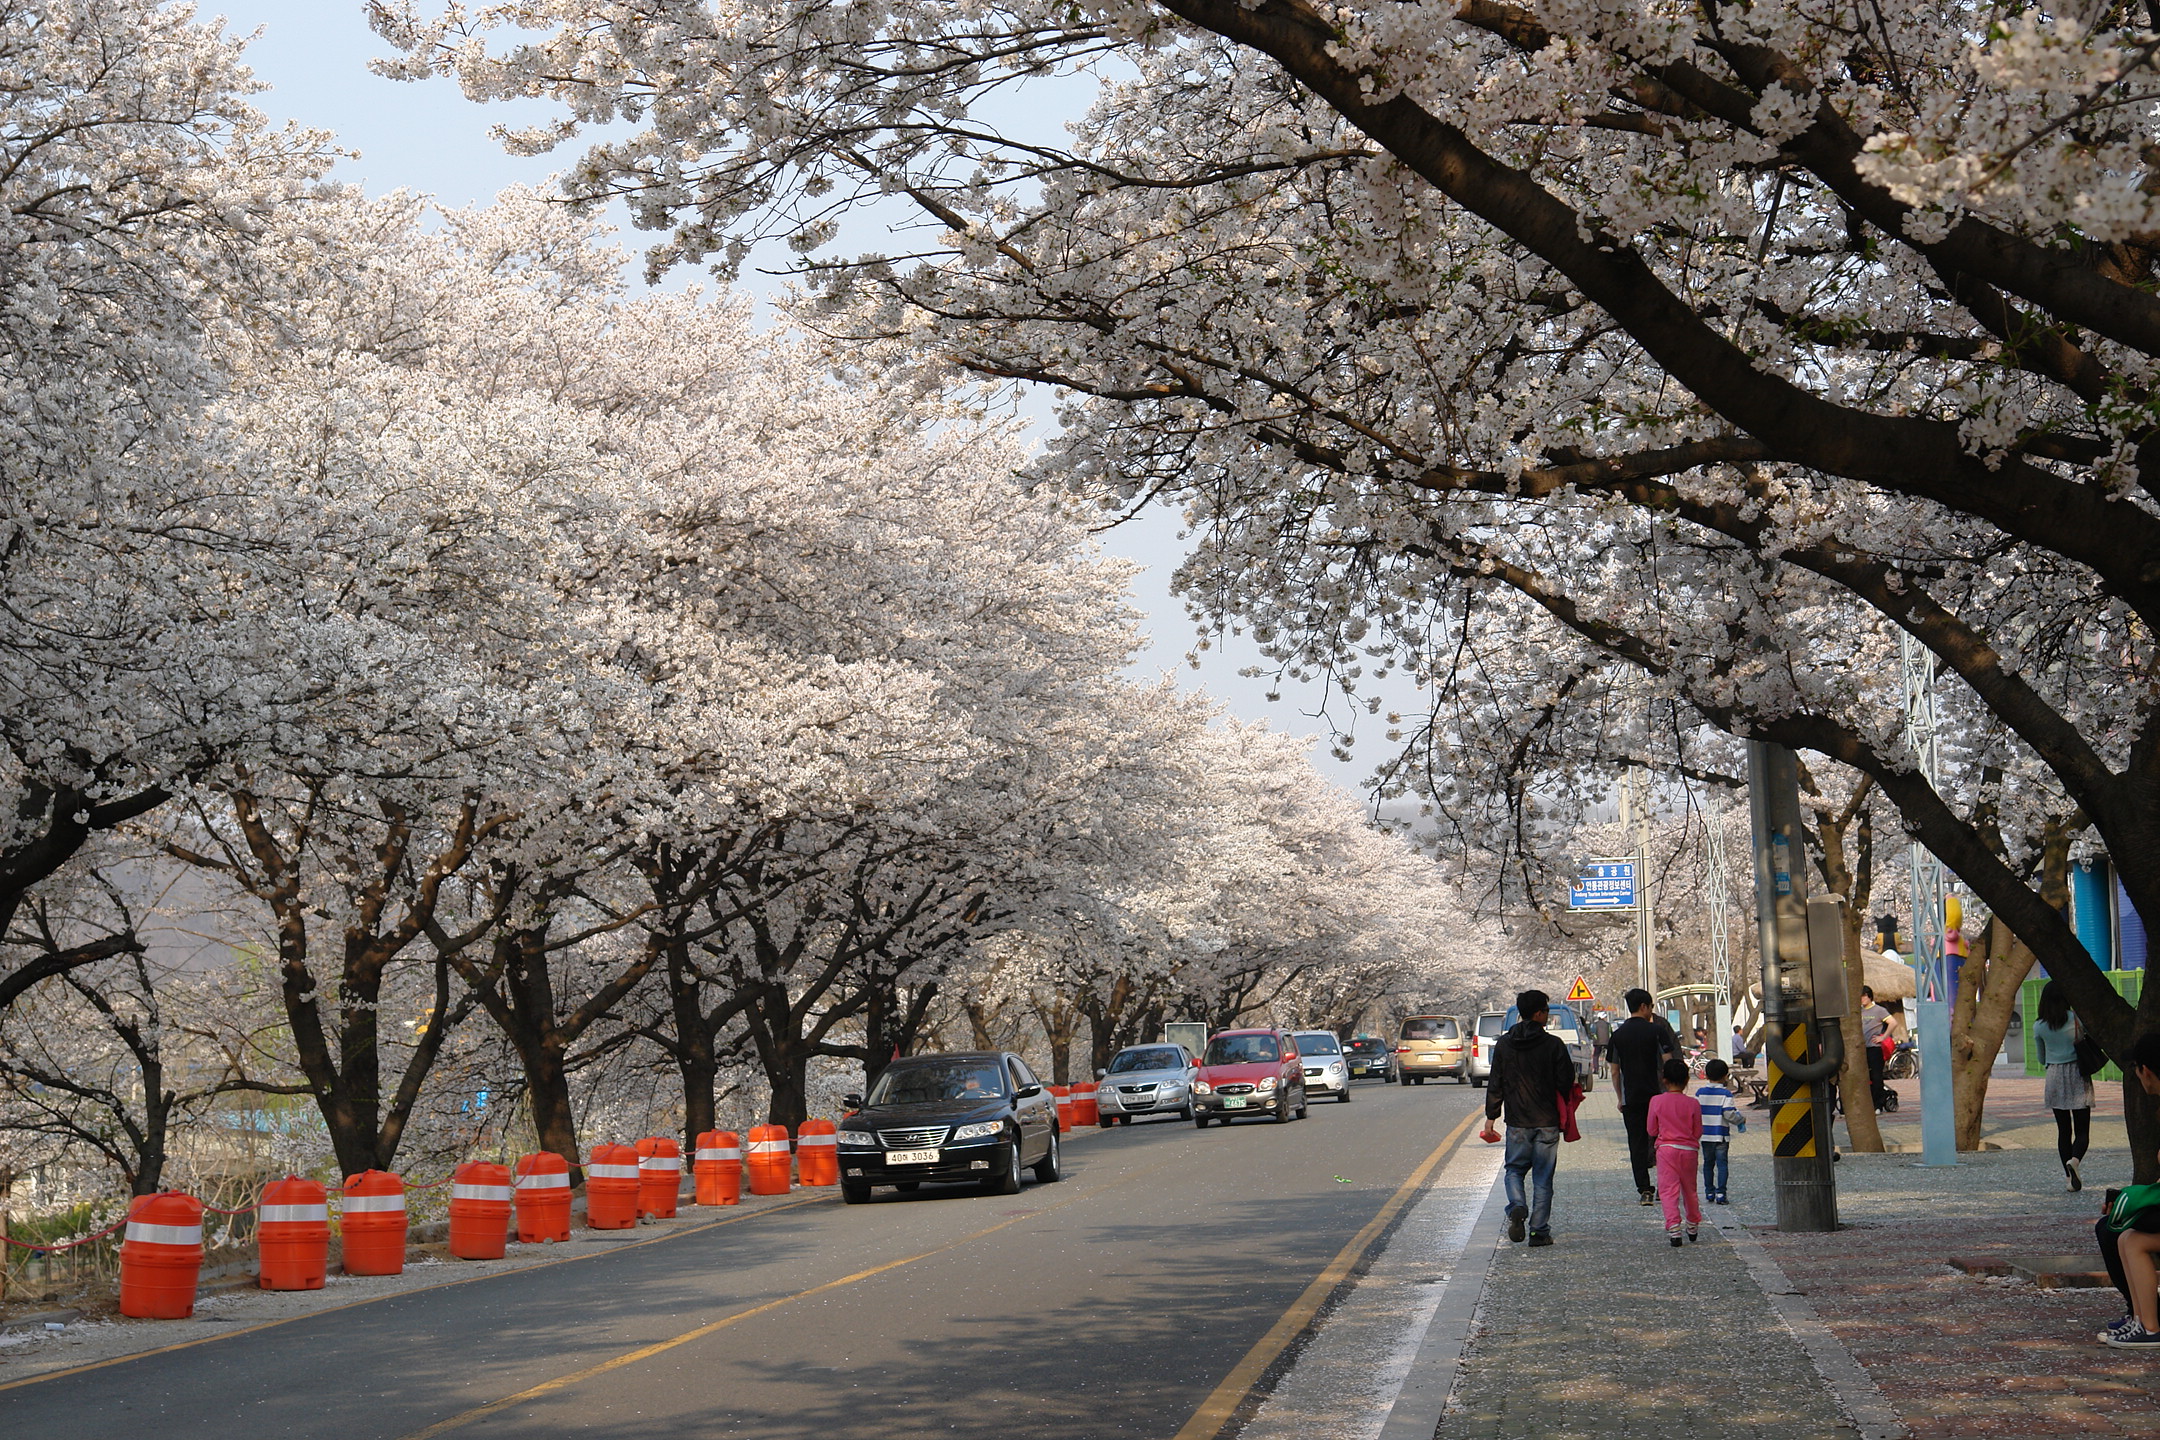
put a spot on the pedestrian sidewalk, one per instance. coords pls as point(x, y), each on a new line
point(1868, 1332)
point(1612, 1332)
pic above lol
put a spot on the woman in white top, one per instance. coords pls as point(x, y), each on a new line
point(2068, 1093)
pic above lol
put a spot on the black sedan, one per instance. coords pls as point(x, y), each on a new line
point(977, 1116)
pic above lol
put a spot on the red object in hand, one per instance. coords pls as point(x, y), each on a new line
point(1489, 1135)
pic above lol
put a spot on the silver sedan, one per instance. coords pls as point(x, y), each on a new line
point(1145, 1080)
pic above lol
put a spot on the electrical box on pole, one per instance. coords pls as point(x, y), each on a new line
point(1803, 1044)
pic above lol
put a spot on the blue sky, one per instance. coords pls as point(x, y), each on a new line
point(428, 138)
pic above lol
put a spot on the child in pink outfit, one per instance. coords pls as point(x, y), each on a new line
point(1675, 1126)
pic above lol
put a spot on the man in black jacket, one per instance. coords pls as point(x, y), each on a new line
point(1531, 1072)
point(1640, 1046)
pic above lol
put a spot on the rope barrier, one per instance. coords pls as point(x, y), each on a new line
point(45, 1249)
point(50, 1248)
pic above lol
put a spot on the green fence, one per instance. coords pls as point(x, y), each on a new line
point(2128, 983)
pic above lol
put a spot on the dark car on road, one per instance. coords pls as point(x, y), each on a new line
point(975, 1116)
point(1371, 1057)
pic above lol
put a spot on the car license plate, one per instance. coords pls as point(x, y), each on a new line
point(911, 1157)
point(1233, 1102)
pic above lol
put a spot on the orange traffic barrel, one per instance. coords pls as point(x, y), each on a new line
point(292, 1235)
point(1085, 1111)
point(659, 1173)
point(1063, 1095)
point(542, 1186)
point(768, 1160)
point(611, 1187)
point(161, 1256)
point(372, 1221)
point(717, 1167)
point(817, 1152)
point(480, 1210)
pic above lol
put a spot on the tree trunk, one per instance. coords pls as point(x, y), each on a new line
point(547, 1095)
point(1840, 879)
point(1060, 1021)
point(1980, 1017)
point(790, 1082)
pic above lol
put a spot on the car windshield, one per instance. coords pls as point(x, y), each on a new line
point(933, 1081)
point(1364, 1045)
point(1318, 1045)
point(1428, 1029)
point(1491, 1025)
point(1127, 1061)
point(1242, 1050)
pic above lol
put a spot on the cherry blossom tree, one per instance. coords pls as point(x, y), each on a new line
point(134, 183)
point(1732, 342)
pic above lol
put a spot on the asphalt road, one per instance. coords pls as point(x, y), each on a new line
point(1113, 1304)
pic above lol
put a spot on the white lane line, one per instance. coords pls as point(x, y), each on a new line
point(1351, 1370)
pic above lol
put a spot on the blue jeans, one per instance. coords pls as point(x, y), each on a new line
point(1714, 1168)
point(1531, 1152)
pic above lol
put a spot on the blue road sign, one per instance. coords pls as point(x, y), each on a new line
point(1605, 885)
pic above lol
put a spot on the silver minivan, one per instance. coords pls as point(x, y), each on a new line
point(1490, 1027)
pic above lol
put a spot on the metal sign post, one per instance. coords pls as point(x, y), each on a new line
point(1931, 999)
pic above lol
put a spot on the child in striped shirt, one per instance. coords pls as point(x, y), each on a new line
point(1720, 1118)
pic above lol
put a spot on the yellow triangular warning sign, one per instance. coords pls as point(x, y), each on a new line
point(1580, 990)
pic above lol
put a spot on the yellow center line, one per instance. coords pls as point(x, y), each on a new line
point(1214, 1413)
point(660, 1347)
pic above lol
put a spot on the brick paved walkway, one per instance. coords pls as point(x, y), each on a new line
point(1959, 1355)
point(1611, 1332)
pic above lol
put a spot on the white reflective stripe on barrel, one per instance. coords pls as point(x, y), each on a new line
point(720, 1153)
point(293, 1214)
point(480, 1192)
point(542, 1182)
point(660, 1162)
point(360, 1204)
point(768, 1147)
point(817, 1140)
point(164, 1234)
point(611, 1172)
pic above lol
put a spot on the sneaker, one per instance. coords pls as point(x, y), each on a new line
point(1540, 1237)
point(1721, 1200)
point(1649, 1197)
point(1692, 1237)
point(2119, 1327)
point(1515, 1224)
point(2076, 1172)
point(2135, 1337)
point(1674, 1236)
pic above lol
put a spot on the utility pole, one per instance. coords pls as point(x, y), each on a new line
point(1720, 953)
point(1803, 987)
point(1931, 1000)
point(1635, 816)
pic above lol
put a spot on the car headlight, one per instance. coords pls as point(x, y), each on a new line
point(1171, 1087)
point(862, 1139)
point(977, 1132)
point(1267, 1086)
point(1335, 1067)
point(1201, 1087)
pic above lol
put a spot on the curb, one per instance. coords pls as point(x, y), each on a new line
point(1418, 1406)
point(1854, 1390)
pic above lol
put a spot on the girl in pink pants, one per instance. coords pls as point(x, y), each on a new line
point(1675, 1126)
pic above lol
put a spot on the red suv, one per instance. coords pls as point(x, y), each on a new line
point(1250, 1072)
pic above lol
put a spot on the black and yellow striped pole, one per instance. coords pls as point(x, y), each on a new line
point(1802, 1051)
